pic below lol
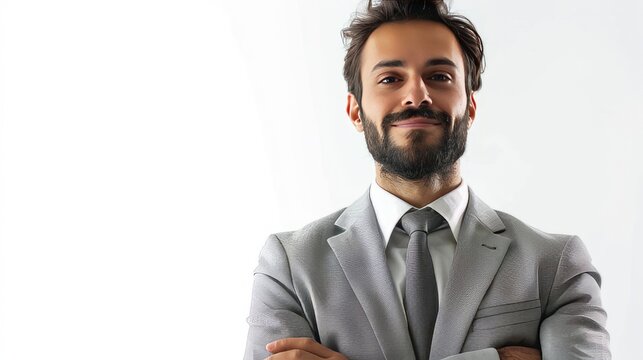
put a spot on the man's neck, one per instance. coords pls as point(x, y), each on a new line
point(419, 193)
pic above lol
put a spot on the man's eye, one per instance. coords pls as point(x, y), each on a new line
point(440, 77)
point(389, 80)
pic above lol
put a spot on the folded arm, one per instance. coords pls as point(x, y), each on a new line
point(574, 324)
point(275, 311)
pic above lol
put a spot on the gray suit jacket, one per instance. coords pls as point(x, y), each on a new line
point(509, 284)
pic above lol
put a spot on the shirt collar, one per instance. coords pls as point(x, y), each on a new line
point(389, 208)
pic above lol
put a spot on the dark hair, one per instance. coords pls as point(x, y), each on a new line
point(363, 24)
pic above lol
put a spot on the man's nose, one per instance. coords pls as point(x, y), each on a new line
point(417, 93)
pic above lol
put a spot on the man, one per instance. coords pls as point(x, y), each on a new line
point(419, 267)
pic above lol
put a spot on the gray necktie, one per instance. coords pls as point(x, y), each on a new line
point(421, 296)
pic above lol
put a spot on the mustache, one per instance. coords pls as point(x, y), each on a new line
point(409, 113)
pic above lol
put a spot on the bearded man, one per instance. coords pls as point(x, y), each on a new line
point(419, 267)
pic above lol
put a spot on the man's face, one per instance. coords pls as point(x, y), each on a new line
point(414, 110)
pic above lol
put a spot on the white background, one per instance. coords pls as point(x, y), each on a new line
point(148, 148)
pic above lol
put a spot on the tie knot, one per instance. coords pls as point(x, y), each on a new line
point(426, 220)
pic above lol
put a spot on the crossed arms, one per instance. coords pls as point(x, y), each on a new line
point(572, 324)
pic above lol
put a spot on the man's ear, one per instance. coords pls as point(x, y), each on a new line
point(352, 110)
point(472, 110)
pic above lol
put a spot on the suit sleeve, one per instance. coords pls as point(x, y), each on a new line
point(574, 324)
point(275, 311)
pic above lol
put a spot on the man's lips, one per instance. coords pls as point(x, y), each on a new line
point(417, 122)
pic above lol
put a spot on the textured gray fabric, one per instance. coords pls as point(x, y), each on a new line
point(421, 296)
point(510, 284)
point(484, 354)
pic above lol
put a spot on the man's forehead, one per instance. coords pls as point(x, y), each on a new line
point(410, 41)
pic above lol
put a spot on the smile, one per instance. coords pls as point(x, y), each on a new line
point(417, 122)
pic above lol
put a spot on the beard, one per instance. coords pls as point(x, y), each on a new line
point(419, 160)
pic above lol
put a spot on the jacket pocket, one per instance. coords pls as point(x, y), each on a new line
point(506, 314)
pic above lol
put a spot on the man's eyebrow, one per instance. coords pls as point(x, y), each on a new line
point(400, 63)
point(440, 61)
point(388, 63)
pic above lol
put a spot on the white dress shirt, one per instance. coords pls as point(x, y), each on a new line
point(389, 210)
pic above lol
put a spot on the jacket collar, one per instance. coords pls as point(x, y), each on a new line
point(360, 251)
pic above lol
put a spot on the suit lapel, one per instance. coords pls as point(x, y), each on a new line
point(479, 253)
point(361, 254)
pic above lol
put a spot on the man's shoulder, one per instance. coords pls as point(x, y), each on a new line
point(315, 231)
point(523, 233)
point(510, 226)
